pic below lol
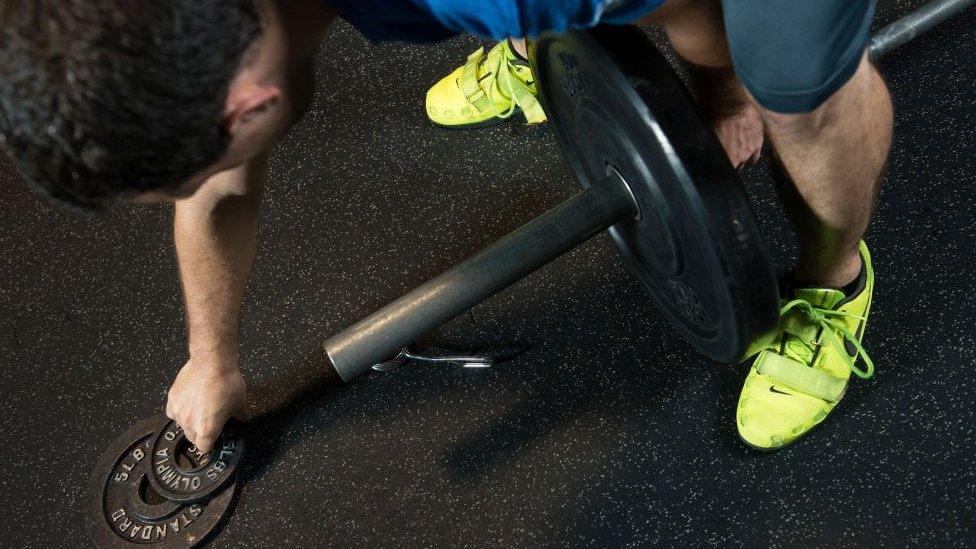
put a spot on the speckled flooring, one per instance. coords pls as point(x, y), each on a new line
point(607, 432)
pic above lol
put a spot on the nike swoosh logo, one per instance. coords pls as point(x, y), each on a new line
point(773, 390)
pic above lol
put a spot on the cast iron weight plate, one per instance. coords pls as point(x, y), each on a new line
point(178, 472)
point(122, 510)
point(617, 106)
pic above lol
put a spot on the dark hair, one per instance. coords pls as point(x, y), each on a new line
point(103, 99)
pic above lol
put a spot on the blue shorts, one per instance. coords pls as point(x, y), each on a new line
point(791, 54)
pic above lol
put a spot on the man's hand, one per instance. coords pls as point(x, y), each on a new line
point(207, 392)
point(731, 112)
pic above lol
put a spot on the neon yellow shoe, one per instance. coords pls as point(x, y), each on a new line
point(799, 379)
point(486, 90)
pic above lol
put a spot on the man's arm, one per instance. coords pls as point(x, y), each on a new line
point(215, 232)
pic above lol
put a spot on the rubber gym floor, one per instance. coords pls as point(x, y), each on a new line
point(607, 431)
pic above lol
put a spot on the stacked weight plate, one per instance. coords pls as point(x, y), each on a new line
point(152, 487)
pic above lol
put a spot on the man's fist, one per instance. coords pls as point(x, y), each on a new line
point(207, 392)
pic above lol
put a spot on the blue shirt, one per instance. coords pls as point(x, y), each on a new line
point(433, 20)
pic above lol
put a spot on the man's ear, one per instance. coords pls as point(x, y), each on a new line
point(247, 103)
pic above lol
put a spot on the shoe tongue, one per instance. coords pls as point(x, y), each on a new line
point(823, 298)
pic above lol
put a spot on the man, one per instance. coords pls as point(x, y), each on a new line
point(104, 101)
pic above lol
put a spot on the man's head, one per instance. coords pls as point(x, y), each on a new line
point(102, 100)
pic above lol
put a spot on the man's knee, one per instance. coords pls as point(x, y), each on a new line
point(837, 104)
point(794, 55)
point(798, 124)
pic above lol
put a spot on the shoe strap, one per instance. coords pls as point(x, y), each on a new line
point(520, 95)
point(800, 377)
point(836, 333)
point(470, 86)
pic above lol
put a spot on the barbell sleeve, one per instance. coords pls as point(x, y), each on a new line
point(385, 332)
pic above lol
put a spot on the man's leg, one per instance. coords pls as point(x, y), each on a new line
point(828, 159)
point(828, 165)
point(518, 45)
point(828, 116)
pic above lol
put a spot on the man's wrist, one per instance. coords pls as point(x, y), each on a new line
point(223, 357)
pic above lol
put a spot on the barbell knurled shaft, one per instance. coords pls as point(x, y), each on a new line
point(914, 24)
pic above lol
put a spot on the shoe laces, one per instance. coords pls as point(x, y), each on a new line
point(830, 322)
point(503, 77)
